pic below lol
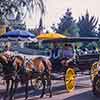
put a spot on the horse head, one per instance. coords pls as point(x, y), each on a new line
point(7, 66)
point(3, 59)
point(29, 65)
point(18, 61)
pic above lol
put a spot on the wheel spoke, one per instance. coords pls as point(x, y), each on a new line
point(70, 79)
point(98, 85)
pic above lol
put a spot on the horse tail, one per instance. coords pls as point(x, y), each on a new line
point(45, 65)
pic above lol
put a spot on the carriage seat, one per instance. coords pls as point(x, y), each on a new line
point(87, 58)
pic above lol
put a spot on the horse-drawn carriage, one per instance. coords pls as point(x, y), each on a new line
point(80, 63)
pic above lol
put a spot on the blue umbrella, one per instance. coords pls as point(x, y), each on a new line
point(17, 35)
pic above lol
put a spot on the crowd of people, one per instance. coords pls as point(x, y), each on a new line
point(61, 57)
point(68, 51)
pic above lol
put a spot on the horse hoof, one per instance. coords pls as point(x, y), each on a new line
point(50, 96)
point(41, 96)
point(4, 99)
point(26, 98)
point(11, 98)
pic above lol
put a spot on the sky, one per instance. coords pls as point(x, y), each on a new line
point(56, 8)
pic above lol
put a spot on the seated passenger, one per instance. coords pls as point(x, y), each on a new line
point(68, 54)
point(68, 51)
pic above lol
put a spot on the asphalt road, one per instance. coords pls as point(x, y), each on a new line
point(82, 91)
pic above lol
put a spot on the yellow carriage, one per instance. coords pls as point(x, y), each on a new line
point(81, 62)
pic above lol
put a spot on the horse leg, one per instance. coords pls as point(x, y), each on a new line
point(49, 85)
point(26, 90)
point(7, 88)
point(32, 84)
point(12, 84)
point(15, 84)
point(43, 89)
point(12, 88)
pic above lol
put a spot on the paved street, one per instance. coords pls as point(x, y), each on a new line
point(82, 91)
point(45, 39)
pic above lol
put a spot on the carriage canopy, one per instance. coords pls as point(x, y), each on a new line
point(50, 36)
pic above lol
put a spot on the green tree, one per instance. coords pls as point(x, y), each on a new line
point(87, 25)
point(67, 25)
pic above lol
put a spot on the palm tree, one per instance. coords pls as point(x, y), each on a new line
point(87, 25)
point(14, 11)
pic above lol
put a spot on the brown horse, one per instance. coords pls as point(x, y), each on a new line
point(21, 76)
point(12, 69)
point(44, 67)
point(37, 67)
point(8, 71)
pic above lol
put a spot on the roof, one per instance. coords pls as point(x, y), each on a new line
point(73, 39)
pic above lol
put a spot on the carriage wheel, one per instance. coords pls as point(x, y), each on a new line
point(93, 71)
point(70, 79)
point(36, 83)
point(96, 85)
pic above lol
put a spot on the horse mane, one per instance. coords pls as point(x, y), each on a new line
point(20, 58)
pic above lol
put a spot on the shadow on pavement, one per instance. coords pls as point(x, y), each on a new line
point(83, 96)
point(35, 94)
